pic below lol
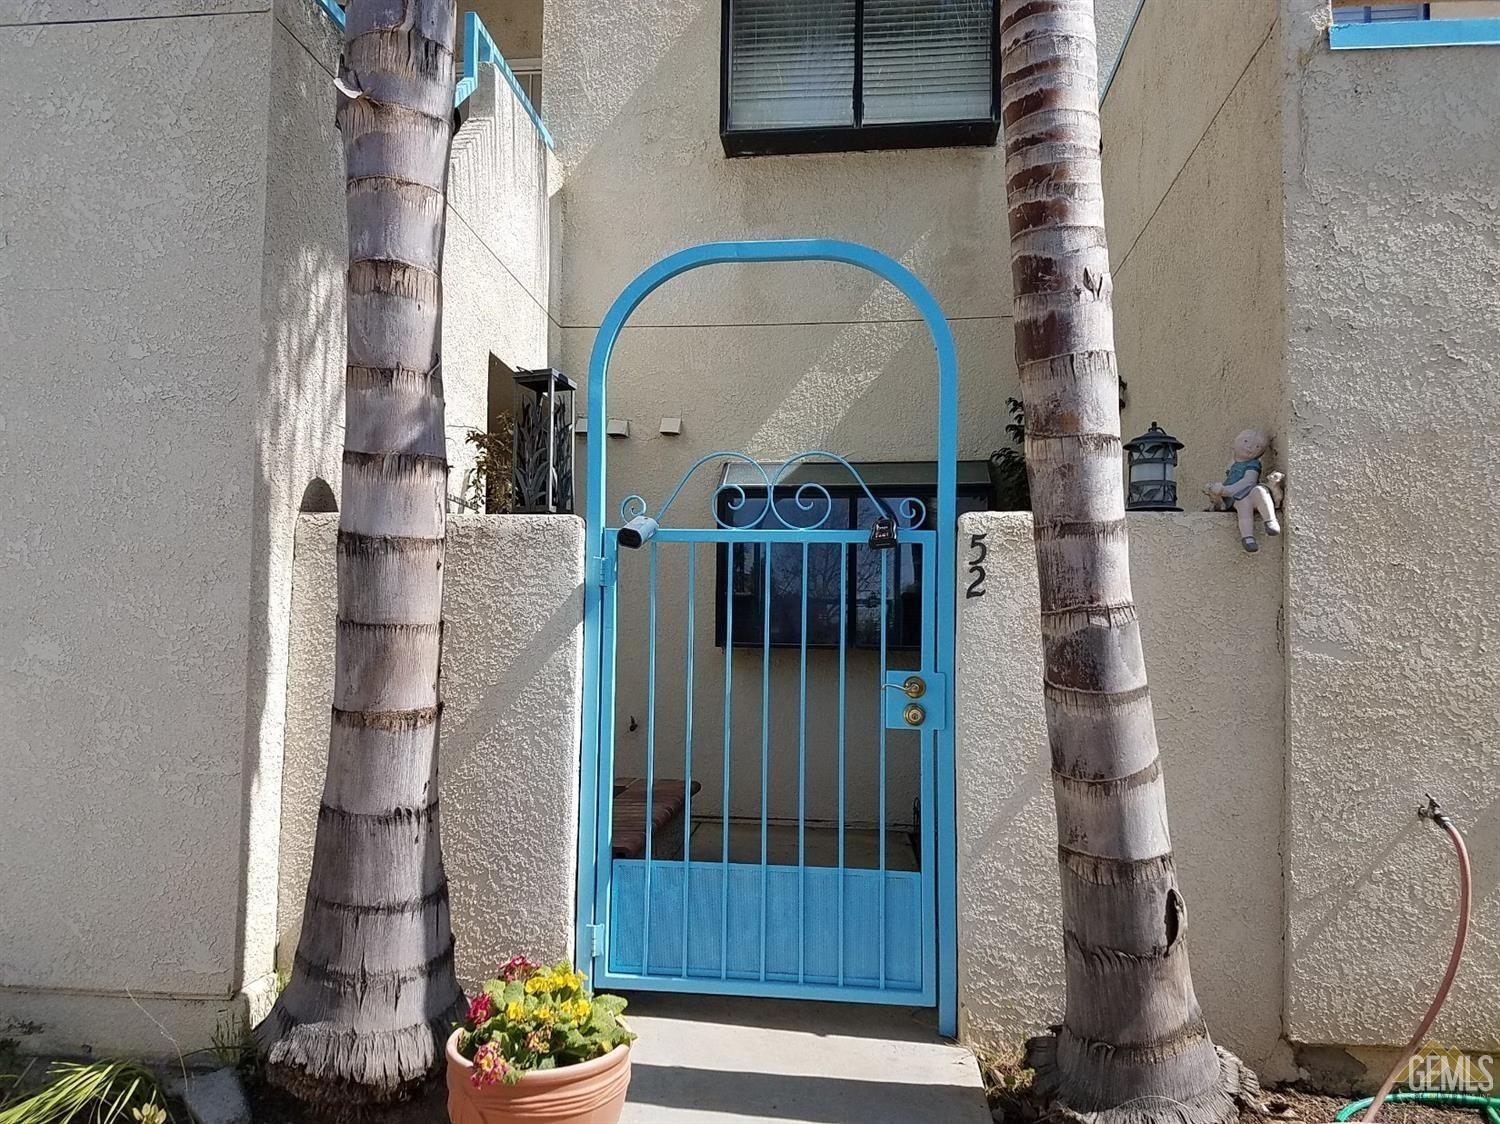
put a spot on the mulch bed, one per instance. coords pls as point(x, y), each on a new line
point(272, 1106)
point(1016, 1106)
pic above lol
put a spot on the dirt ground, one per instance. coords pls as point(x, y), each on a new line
point(270, 1106)
point(1291, 1105)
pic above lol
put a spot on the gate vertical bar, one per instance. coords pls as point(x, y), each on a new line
point(802, 790)
point(765, 758)
point(724, 798)
point(843, 668)
point(599, 871)
point(650, 760)
point(687, 752)
point(884, 609)
point(929, 749)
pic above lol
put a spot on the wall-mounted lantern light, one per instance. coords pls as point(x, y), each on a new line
point(542, 469)
point(1153, 471)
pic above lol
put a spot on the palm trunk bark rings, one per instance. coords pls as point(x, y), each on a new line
point(373, 992)
point(1133, 1045)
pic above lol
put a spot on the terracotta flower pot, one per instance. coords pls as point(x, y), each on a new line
point(588, 1093)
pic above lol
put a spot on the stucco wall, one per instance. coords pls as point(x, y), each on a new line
point(172, 263)
point(496, 260)
point(1467, 9)
point(1392, 337)
point(516, 25)
point(129, 334)
point(511, 683)
point(1112, 19)
point(1210, 617)
point(1193, 203)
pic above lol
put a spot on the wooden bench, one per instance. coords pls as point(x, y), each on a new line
point(668, 836)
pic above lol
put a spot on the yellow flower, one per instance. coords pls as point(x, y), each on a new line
point(581, 1008)
point(545, 1014)
point(515, 1011)
point(151, 1114)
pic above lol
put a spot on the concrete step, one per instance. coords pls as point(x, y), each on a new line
point(717, 1060)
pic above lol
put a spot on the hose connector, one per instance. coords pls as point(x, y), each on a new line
point(1433, 811)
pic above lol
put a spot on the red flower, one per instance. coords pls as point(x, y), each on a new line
point(516, 968)
point(479, 1009)
point(490, 1067)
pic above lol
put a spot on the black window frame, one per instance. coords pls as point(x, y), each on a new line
point(1371, 13)
point(887, 495)
point(859, 137)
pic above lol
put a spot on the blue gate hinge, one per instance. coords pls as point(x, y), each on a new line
point(595, 940)
point(602, 571)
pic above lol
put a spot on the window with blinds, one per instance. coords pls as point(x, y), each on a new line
point(811, 75)
point(1378, 13)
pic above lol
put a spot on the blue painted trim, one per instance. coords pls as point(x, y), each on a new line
point(1120, 54)
point(600, 540)
point(1414, 33)
point(333, 11)
point(760, 989)
point(479, 48)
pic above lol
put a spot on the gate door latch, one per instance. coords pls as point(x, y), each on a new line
point(915, 700)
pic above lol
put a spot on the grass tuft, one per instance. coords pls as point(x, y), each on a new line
point(112, 1092)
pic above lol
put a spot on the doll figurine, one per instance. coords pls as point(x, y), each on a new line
point(1242, 491)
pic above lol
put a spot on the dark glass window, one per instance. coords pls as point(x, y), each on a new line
point(1378, 13)
point(852, 568)
point(834, 75)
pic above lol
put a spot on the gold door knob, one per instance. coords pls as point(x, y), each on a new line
point(914, 714)
point(915, 687)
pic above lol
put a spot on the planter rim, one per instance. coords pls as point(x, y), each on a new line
point(537, 1078)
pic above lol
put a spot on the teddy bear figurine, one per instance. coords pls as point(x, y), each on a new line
point(1242, 490)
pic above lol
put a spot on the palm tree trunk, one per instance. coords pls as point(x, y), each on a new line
point(1133, 1044)
point(373, 991)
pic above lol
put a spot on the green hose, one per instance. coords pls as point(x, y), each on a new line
point(1488, 1106)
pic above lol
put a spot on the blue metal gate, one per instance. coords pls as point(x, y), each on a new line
point(856, 581)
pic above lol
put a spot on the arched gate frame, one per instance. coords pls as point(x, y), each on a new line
point(938, 985)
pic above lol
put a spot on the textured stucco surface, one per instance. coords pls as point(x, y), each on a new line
point(1193, 201)
point(1111, 24)
point(516, 25)
point(129, 338)
point(1210, 616)
point(172, 255)
point(511, 683)
point(1469, 9)
point(299, 410)
point(1393, 637)
point(496, 260)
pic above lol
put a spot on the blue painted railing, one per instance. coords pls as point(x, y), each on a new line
point(1414, 33)
point(479, 47)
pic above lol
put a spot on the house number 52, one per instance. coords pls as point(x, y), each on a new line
point(976, 565)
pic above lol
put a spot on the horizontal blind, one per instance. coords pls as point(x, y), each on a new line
point(791, 63)
point(1378, 13)
point(928, 60)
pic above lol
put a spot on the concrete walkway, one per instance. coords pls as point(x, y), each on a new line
point(752, 1061)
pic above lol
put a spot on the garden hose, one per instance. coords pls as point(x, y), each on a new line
point(1490, 1106)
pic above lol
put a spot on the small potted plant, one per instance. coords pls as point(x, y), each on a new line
point(538, 1046)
